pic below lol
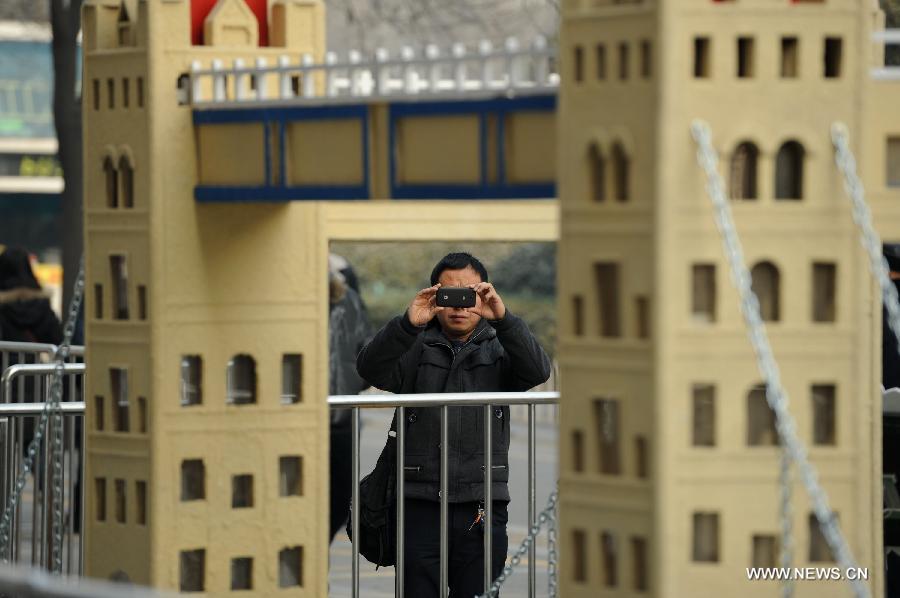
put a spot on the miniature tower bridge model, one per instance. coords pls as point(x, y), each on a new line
point(223, 150)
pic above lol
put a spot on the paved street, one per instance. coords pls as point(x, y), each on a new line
point(380, 584)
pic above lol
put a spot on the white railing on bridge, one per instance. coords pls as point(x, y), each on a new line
point(886, 72)
point(453, 73)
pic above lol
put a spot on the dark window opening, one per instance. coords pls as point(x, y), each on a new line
point(642, 309)
point(241, 380)
point(191, 380)
point(833, 56)
point(766, 285)
point(577, 315)
point(705, 544)
point(892, 161)
point(610, 559)
point(743, 171)
point(118, 382)
point(111, 92)
point(745, 56)
point(789, 171)
point(600, 55)
point(641, 457)
point(819, 551)
point(290, 476)
point(620, 172)
point(96, 94)
point(606, 420)
point(241, 491)
point(290, 567)
point(119, 274)
point(639, 563)
point(192, 570)
point(141, 502)
point(98, 301)
point(193, 480)
point(99, 423)
point(579, 556)
point(704, 410)
point(824, 306)
point(765, 550)
point(126, 177)
point(112, 182)
point(646, 59)
point(120, 501)
point(142, 415)
point(139, 84)
point(125, 92)
point(142, 301)
point(242, 573)
point(824, 399)
point(577, 451)
point(100, 498)
point(761, 430)
point(606, 276)
point(701, 57)
point(790, 50)
point(703, 293)
point(291, 378)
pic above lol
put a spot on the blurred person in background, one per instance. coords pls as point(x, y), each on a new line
point(348, 331)
point(25, 312)
point(432, 349)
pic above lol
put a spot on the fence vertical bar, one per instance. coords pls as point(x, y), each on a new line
point(443, 496)
point(84, 482)
point(488, 510)
point(355, 504)
point(73, 480)
point(532, 483)
point(401, 512)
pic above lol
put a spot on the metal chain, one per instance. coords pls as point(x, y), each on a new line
point(552, 568)
point(548, 516)
point(775, 394)
point(787, 515)
point(862, 216)
point(51, 408)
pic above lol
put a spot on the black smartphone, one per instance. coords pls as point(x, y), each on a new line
point(455, 297)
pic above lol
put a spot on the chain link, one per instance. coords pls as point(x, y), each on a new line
point(862, 216)
point(52, 410)
point(776, 396)
point(548, 516)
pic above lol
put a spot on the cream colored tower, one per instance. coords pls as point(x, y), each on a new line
point(669, 463)
point(207, 453)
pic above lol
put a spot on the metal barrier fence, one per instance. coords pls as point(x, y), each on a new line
point(24, 390)
point(486, 400)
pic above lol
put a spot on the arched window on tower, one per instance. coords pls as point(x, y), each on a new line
point(621, 172)
point(126, 177)
point(597, 173)
point(112, 183)
point(742, 184)
point(766, 283)
point(789, 171)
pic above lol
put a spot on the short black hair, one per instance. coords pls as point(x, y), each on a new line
point(458, 261)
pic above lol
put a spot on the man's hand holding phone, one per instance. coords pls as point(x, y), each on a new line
point(424, 306)
point(490, 305)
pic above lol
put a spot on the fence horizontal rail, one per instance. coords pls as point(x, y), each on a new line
point(450, 399)
point(31, 409)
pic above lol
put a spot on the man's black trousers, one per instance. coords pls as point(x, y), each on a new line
point(465, 568)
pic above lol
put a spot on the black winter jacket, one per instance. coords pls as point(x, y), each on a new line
point(500, 355)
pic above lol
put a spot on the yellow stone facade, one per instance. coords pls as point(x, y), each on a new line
point(661, 494)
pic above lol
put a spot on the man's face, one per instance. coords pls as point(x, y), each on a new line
point(459, 322)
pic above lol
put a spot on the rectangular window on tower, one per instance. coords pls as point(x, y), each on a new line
point(600, 55)
point(824, 416)
point(833, 57)
point(577, 315)
point(606, 418)
point(606, 276)
point(98, 301)
point(745, 61)
point(191, 380)
point(704, 410)
point(579, 556)
point(111, 92)
point(824, 290)
point(765, 550)
point(639, 563)
point(701, 57)
point(646, 59)
point(819, 551)
point(790, 51)
point(705, 538)
point(118, 383)
point(119, 274)
point(577, 451)
point(610, 559)
point(291, 378)
point(578, 64)
point(703, 293)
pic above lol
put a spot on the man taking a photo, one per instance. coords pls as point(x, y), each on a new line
point(432, 349)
